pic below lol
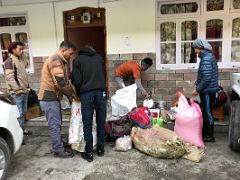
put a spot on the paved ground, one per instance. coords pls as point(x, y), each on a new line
point(35, 161)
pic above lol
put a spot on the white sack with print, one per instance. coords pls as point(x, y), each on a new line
point(76, 138)
point(124, 100)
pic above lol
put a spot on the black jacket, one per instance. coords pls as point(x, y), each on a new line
point(88, 72)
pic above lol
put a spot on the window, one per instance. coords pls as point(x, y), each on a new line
point(189, 32)
point(235, 52)
point(207, 19)
point(215, 5)
point(236, 4)
point(214, 34)
point(15, 28)
point(168, 43)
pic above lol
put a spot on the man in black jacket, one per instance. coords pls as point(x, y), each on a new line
point(89, 81)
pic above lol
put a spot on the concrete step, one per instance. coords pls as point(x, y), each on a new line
point(41, 121)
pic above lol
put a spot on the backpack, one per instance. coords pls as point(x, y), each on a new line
point(32, 98)
point(119, 128)
point(140, 117)
point(221, 97)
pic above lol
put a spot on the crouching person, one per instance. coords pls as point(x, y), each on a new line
point(55, 83)
point(89, 81)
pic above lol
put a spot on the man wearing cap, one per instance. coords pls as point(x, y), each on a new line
point(206, 85)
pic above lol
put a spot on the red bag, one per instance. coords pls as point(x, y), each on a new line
point(141, 117)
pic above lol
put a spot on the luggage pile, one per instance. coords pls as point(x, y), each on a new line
point(145, 127)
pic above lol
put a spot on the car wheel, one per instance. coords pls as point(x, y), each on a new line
point(4, 157)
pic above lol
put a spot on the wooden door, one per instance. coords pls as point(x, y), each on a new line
point(86, 25)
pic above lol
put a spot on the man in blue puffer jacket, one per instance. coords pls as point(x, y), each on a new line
point(206, 85)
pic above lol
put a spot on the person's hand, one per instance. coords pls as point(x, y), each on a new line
point(75, 97)
point(194, 93)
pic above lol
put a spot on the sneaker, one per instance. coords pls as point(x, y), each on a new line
point(209, 139)
point(100, 151)
point(87, 156)
point(64, 154)
point(26, 132)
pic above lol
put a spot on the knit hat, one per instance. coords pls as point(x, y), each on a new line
point(202, 44)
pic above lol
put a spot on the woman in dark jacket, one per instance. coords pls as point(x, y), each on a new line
point(206, 85)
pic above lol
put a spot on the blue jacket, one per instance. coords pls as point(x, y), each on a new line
point(207, 78)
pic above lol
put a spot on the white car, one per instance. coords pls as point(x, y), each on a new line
point(11, 134)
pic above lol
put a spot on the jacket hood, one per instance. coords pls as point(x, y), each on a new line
point(87, 51)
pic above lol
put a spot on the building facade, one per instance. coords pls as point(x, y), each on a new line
point(162, 30)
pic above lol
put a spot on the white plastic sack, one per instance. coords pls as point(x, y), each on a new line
point(76, 138)
point(123, 144)
point(124, 100)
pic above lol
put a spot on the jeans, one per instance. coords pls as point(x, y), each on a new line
point(52, 110)
point(207, 100)
point(90, 101)
point(21, 102)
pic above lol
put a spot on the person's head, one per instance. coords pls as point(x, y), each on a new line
point(146, 63)
point(91, 46)
point(67, 49)
point(16, 48)
point(201, 45)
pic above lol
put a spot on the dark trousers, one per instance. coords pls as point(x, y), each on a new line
point(90, 101)
point(207, 100)
point(52, 110)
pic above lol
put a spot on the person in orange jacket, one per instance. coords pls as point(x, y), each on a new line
point(133, 69)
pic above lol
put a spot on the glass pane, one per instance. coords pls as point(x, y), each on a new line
point(168, 31)
point(235, 28)
point(235, 55)
point(236, 4)
point(5, 40)
point(4, 55)
point(217, 50)
point(214, 29)
point(168, 53)
point(179, 8)
point(215, 5)
point(189, 30)
point(13, 21)
point(188, 54)
point(22, 37)
point(26, 57)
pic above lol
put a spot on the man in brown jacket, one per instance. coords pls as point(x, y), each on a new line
point(55, 84)
point(17, 80)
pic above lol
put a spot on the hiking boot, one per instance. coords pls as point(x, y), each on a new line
point(209, 139)
point(26, 132)
point(87, 156)
point(64, 154)
point(100, 151)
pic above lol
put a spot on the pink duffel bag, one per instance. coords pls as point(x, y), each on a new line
point(188, 124)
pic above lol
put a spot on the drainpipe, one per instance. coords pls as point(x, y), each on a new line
point(98, 3)
point(55, 24)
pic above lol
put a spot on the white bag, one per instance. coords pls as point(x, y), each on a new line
point(123, 144)
point(76, 138)
point(124, 100)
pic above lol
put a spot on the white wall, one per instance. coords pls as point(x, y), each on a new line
point(130, 24)
point(41, 25)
